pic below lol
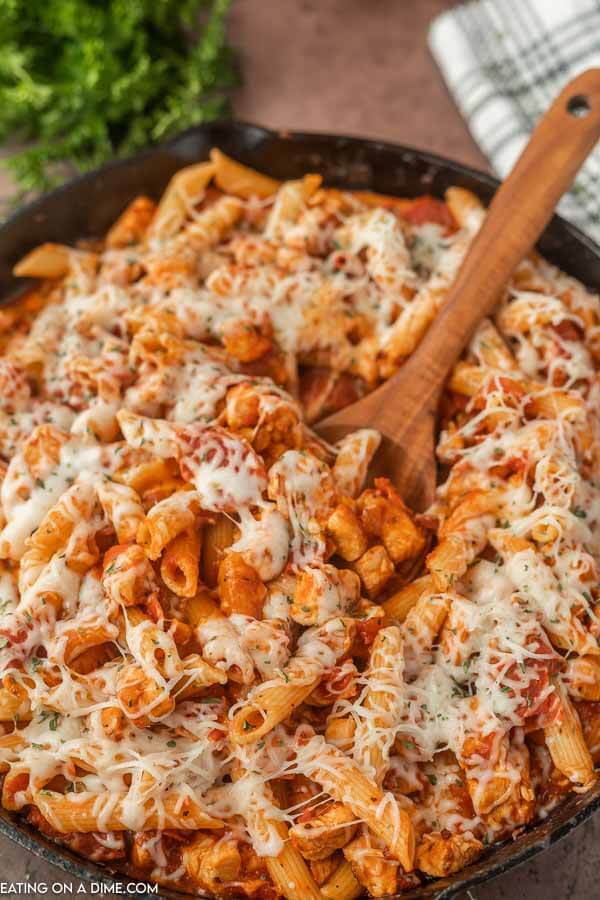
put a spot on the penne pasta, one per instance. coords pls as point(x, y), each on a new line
point(289, 872)
point(567, 746)
point(86, 812)
point(52, 261)
point(166, 521)
point(185, 189)
point(218, 537)
point(131, 226)
point(234, 178)
point(342, 885)
point(180, 562)
point(381, 702)
point(123, 507)
point(398, 605)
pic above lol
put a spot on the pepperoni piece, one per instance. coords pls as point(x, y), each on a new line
point(568, 330)
point(428, 209)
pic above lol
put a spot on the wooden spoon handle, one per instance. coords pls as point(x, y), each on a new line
point(520, 210)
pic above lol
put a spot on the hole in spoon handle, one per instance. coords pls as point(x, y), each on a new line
point(579, 106)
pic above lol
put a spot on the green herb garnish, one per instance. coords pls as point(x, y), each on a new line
point(88, 81)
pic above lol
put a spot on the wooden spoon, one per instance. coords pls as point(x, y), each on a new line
point(404, 408)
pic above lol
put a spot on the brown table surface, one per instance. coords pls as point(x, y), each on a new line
point(360, 67)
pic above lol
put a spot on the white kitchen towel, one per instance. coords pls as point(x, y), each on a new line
point(504, 61)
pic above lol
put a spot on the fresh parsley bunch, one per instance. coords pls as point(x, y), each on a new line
point(87, 80)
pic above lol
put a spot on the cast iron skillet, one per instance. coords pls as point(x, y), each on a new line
point(87, 206)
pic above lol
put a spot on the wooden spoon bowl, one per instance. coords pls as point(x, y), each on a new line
point(404, 408)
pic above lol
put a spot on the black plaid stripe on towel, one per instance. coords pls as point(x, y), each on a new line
point(504, 61)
